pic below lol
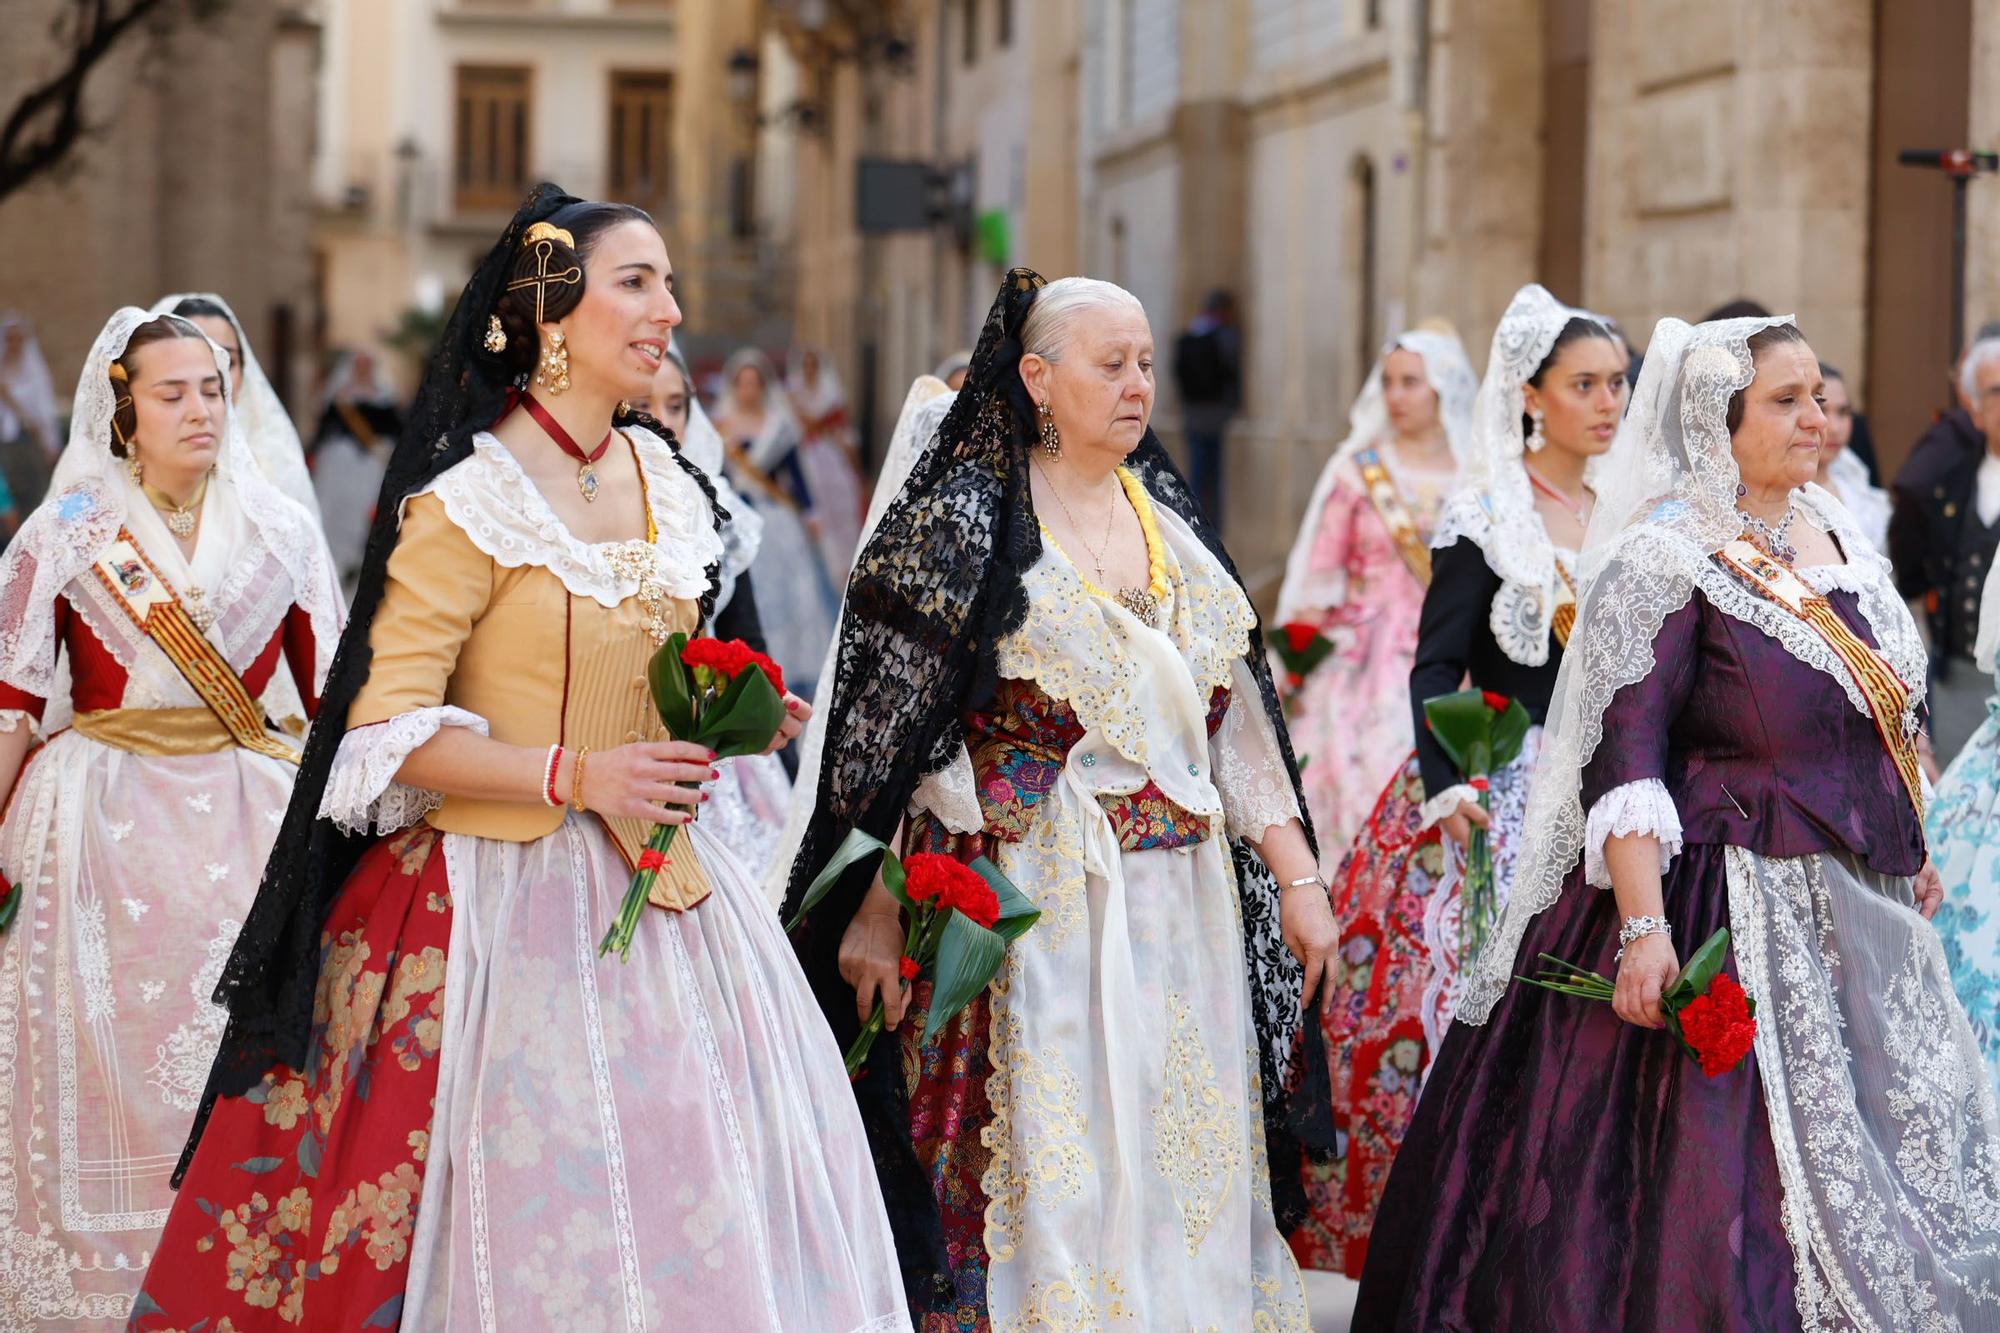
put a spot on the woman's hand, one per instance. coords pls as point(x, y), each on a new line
point(1458, 825)
point(1306, 919)
point(797, 713)
point(1648, 968)
point(1929, 888)
point(643, 780)
point(871, 951)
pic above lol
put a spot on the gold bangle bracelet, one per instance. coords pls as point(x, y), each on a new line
point(576, 781)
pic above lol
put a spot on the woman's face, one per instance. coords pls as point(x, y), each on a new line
point(223, 335)
point(746, 389)
point(1581, 396)
point(617, 335)
point(1777, 444)
point(1101, 391)
point(1839, 410)
point(668, 402)
point(176, 391)
point(1408, 395)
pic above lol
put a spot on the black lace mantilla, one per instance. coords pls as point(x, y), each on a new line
point(932, 593)
point(269, 981)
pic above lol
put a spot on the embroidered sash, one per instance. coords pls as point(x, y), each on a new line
point(1381, 490)
point(147, 599)
point(1888, 697)
point(1564, 618)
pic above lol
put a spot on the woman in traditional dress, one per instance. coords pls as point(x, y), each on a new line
point(833, 470)
point(1963, 825)
point(1358, 571)
point(357, 432)
point(168, 575)
point(748, 803)
point(1046, 659)
point(761, 437)
point(274, 440)
point(1842, 472)
point(1496, 616)
point(435, 1101)
point(1732, 743)
point(29, 435)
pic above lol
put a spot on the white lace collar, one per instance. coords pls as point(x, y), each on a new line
point(492, 500)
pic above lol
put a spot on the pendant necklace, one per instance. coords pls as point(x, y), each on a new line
point(1139, 601)
point(586, 475)
point(180, 518)
point(1772, 537)
point(1575, 508)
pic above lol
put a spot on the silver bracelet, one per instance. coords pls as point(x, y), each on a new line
point(1309, 879)
point(1637, 928)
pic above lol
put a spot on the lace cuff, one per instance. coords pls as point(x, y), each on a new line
point(362, 794)
point(1446, 801)
point(1250, 773)
point(12, 719)
point(1637, 807)
point(950, 796)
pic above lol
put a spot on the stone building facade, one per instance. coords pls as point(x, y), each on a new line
point(194, 177)
point(1349, 167)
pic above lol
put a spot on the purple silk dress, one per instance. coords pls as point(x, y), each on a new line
point(1567, 1171)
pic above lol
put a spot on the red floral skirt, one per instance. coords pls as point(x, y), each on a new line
point(1371, 1021)
point(300, 1202)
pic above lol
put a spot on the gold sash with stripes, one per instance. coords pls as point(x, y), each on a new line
point(1564, 619)
point(1381, 490)
point(149, 601)
point(1888, 697)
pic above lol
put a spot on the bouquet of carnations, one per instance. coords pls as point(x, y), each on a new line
point(1482, 732)
point(1706, 1009)
point(1299, 647)
point(961, 919)
point(724, 695)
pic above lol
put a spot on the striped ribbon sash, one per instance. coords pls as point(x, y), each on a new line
point(146, 597)
point(1887, 695)
point(1395, 515)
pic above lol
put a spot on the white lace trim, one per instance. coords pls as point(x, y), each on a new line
point(492, 500)
point(362, 794)
point(1445, 803)
point(1251, 777)
point(1824, 579)
point(951, 796)
point(11, 720)
point(1637, 807)
point(1521, 612)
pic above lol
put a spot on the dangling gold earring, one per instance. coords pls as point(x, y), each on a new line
point(132, 468)
point(1051, 441)
point(553, 372)
point(496, 337)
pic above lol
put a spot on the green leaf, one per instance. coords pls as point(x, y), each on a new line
point(1017, 910)
point(672, 689)
point(858, 846)
point(1510, 732)
point(1699, 970)
point(895, 880)
point(257, 1166)
point(1458, 722)
point(967, 957)
point(10, 904)
point(745, 718)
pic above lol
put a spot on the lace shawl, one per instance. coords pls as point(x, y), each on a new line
point(933, 592)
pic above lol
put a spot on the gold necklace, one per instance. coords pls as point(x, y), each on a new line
point(1110, 518)
point(179, 517)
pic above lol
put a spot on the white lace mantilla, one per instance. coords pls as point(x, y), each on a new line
point(362, 794)
point(1642, 807)
point(1522, 612)
point(493, 501)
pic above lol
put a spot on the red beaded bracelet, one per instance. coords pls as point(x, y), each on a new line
point(549, 796)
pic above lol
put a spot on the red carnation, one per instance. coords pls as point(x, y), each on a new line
point(1300, 635)
point(652, 860)
point(908, 967)
point(772, 672)
point(1294, 679)
point(954, 884)
point(1479, 784)
point(1497, 702)
point(729, 658)
point(1718, 1026)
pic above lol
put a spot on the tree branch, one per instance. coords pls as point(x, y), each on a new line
point(48, 120)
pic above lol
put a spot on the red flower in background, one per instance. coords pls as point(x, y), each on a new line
point(909, 967)
point(1719, 1027)
point(1497, 702)
point(1300, 635)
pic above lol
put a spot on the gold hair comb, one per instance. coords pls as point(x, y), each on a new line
point(548, 231)
point(118, 371)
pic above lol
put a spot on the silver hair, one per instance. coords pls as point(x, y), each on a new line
point(1053, 318)
point(1977, 355)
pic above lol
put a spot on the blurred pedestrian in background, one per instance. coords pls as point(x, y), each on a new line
point(29, 441)
point(1208, 371)
point(832, 470)
point(1843, 472)
point(359, 425)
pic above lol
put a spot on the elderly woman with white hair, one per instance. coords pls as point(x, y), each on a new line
point(1046, 658)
